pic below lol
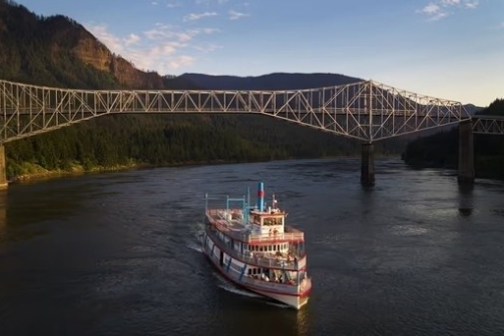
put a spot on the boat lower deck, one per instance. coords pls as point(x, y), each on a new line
point(291, 291)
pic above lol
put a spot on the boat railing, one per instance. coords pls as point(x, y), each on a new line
point(222, 225)
point(290, 236)
point(262, 260)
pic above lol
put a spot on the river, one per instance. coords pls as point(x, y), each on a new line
point(118, 253)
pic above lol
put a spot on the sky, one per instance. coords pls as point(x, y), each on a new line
point(450, 49)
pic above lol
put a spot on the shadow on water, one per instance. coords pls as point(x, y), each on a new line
point(466, 200)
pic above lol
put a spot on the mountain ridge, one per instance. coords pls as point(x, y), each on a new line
point(271, 81)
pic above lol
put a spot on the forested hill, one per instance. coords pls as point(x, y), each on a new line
point(57, 51)
point(274, 81)
point(441, 149)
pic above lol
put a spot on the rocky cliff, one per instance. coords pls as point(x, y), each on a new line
point(28, 42)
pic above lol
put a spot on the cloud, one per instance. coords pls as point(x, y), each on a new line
point(181, 62)
point(434, 12)
point(210, 2)
point(472, 4)
point(431, 9)
point(440, 9)
point(173, 4)
point(132, 39)
point(163, 32)
point(114, 43)
point(163, 48)
point(208, 48)
point(450, 2)
point(234, 15)
point(199, 16)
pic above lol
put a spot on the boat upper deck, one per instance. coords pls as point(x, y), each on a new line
point(235, 227)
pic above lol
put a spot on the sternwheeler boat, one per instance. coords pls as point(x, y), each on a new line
point(254, 248)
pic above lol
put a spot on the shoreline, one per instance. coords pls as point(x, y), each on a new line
point(43, 174)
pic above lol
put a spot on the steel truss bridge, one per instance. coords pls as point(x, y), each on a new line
point(368, 111)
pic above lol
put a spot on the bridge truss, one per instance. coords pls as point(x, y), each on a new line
point(488, 125)
point(368, 111)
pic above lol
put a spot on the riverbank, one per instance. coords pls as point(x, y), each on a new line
point(36, 173)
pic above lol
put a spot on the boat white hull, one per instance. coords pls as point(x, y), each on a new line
point(289, 295)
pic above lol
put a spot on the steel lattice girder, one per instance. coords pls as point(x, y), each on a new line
point(367, 110)
point(488, 125)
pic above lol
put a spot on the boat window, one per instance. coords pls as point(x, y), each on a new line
point(273, 221)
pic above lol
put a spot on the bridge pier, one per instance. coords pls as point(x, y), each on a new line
point(3, 175)
point(466, 153)
point(367, 165)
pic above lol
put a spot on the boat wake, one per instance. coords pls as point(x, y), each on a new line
point(230, 287)
point(195, 243)
point(277, 304)
point(235, 290)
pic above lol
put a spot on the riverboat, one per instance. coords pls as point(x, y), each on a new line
point(254, 248)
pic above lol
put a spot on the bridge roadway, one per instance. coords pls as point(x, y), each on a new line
point(367, 111)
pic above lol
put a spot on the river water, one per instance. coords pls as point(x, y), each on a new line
point(118, 253)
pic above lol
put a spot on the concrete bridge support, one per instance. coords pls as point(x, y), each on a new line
point(3, 175)
point(367, 165)
point(466, 153)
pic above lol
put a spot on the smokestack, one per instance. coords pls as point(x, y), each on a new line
point(260, 195)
